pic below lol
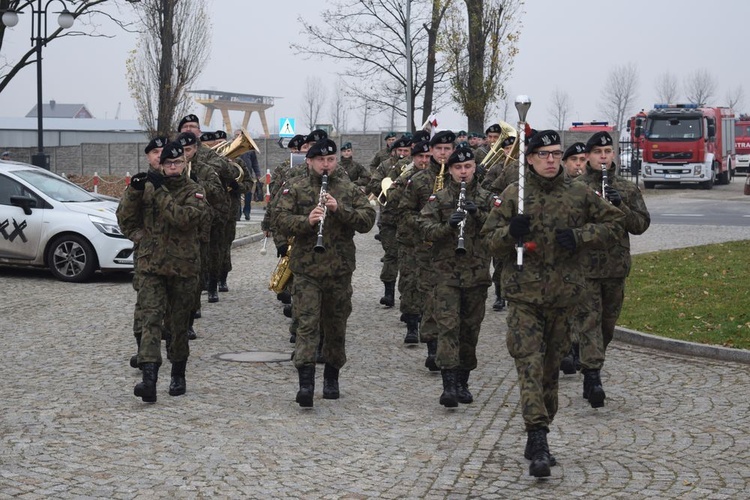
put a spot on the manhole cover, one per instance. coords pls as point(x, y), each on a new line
point(255, 356)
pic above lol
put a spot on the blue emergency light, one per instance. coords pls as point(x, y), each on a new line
point(682, 106)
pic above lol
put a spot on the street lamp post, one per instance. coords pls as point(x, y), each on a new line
point(39, 39)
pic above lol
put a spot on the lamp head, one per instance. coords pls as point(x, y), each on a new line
point(523, 103)
point(10, 18)
point(65, 19)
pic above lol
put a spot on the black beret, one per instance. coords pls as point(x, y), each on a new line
point(156, 142)
point(473, 135)
point(390, 134)
point(346, 145)
point(598, 139)
point(220, 134)
point(186, 139)
point(443, 137)
point(324, 147)
point(187, 119)
point(208, 136)
point(171, 151)
point(541, 139)
point(494, 129)
point(508, 141)
point(296, 141)
point(575, 149)
point(401, 142)
point(462, 144)
point(419, 136)
point(460, 133)
point(315, 136)
point(420, 147)
point(461, 155)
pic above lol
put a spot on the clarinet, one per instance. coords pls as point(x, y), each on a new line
point(604, 181)
point(319, 247)
point(460, 248)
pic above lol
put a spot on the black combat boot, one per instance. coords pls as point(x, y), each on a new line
point(223, 287)
point(499, 304)
point(191, 335)
point(389, 299)
point(449, 398)
point(134, 359)
point(287, 310)
point(146, 389)
point(213, 295)
point(197, 314)
point(462, 387)
point(567, 364)
point(285, 297)
point(539, 452)
point(330, 382)
point(306, 386)
point(592, 388)
point(429, 362)
point(412, 329)
point(177, 386)
point(527, 452)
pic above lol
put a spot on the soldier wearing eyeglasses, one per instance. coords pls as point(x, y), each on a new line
point(560, 218)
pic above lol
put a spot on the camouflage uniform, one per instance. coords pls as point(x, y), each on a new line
point(543, 294)
point(235, 209)
point(322, 281)
point(379, 158)
point(168, 260)
point(357, 172)
point(408, 238)
point(460, 281)
point(607, 269)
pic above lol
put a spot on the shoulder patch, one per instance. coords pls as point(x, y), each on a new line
point(498, 202)
point(432, 197)
point(285, 191)
point(199, 196)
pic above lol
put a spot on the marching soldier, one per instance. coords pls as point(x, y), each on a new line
point(451, 221)
point(606, 268)
point(384, 153)
point(574, 159)
point(169, 260)
point(560, 217)
point(322, 279)
point(358, 173)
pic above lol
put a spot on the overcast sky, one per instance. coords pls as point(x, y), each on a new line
point(571, 45)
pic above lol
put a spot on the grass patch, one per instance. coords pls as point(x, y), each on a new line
point(699, 294)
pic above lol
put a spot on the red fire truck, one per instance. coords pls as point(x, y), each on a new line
point(742, 143)
point(685, 143)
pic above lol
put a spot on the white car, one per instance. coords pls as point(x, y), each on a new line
point(47, 221)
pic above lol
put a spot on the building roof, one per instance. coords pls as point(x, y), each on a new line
point(54, 109)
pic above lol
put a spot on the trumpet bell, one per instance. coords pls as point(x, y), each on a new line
point(385, 185)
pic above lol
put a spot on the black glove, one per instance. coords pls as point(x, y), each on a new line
point(234, 185)
point(281, 250)
point(155, 178)
point(138, 181)
point(456, 218)
point(520, 226)
point(612, 195)
point(470, 207)
point(566, 239)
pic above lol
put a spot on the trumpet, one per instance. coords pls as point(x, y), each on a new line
point(460, 248)
point(319, 247)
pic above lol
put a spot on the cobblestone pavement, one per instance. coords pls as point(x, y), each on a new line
point(673, 426)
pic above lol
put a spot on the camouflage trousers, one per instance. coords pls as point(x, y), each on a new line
point(458, 314)
point(322, 307)
point(165, 300)
point(537, 340)
point(428, 329)
point(137, 321)
point(410, 295)
point(601, 313)
point(389, 272)
point(202, 275)
point(230, 229)
point(216, 248)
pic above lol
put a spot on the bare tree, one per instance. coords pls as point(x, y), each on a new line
point(667, 88)
point(83, 12)
point(700, 87)
point(339, 108)
point(171, 52)
point(736, 98)
point(618, 94)
point(559, 108)
point(481, 46)
point(369, 37)
point(313, 100)
point(366, 108)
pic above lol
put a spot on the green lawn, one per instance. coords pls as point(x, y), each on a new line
point(699, 294)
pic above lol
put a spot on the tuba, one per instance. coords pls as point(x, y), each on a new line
point(496, 151)
point(280, 276)
point(232, 150)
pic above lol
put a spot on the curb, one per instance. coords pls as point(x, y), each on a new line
point(245, 240)
point(694, 349)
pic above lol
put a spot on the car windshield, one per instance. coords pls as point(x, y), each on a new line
point(55, 187)
point(674, 128)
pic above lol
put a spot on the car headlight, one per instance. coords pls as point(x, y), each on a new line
point(106, 226)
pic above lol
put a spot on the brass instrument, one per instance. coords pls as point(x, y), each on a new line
point(319, 247)
point(460, 248)
point(385, 185)
point(233, 150)
point(496, 151)
point(439, 179)
point(281, 274)
point(523, 103)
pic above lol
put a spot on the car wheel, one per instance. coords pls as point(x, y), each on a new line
point(71, 258)
point(648, 185)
